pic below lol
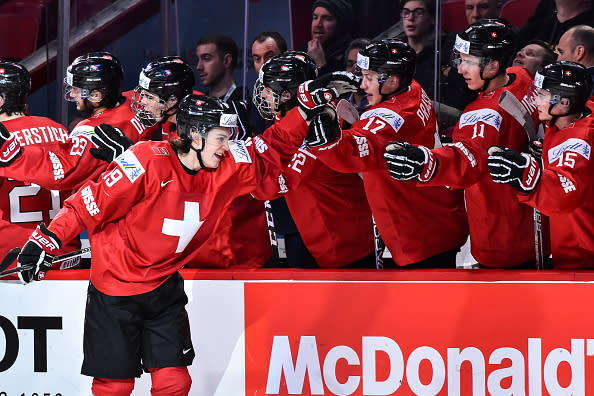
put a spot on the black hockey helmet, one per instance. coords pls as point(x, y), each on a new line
point(166, 78)
point(15, 86)
point(96, 71)
point(280, 76)
point(490, 39)
point(566, 79)
point(389, 57)
point(197, 114)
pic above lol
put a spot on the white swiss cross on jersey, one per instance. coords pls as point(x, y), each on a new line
point(184, 229)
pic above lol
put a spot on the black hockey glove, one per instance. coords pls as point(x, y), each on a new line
point(407, 162)
point(324, 130)
point(519, 170)
point(110, 141)
point(10, 149)
point(38, 254)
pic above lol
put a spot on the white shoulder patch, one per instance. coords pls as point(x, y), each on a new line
point(389, 116)
point(488, 116)
point(239, 151)
point(130, 165)
point(83, 130)
point(574, 144)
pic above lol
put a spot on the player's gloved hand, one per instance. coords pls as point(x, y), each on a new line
point(520, 170)
point(38, 254)
point(312, 100)
point(340, 81)
point(407, 161)
point(324, 130)
point(111, 142)
point(10, 149)
point(535, 148)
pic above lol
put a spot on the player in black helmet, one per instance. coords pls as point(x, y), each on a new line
point(94, 82)
point(149, 213)
point(161, 86)
point(500, 227)
point(560, 185)
point(330, 240)
point(399, 109)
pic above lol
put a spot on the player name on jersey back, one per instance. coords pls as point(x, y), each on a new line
point(40, 134)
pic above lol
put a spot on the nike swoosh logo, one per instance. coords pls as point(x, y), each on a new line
point(163, 184)
point(186, 350)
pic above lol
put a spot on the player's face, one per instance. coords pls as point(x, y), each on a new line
point(152, 104)
point(263, 51)
point(543, 104)
point(370, 85)
point(530, 57)
point(417, 27)
point(210, 64)
point(215, 147)
point(323, 24)
point(477, 10)
point(470, 69)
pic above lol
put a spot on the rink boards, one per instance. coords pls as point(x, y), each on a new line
point(463, 332)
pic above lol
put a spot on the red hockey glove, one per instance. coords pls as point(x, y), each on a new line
point(10, 149)
point(407, 162)
point(519, 170)
point(38, 254)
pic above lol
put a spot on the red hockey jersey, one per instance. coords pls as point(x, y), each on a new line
point(330, 210)
point(415, 222)
point(501, 228)
point(565, 193)
point(24, 205)
point(146, 215)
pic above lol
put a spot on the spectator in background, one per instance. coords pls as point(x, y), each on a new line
point(265, 46)
point(330, 23)
point(358, 99)
point(217, 58)
point(477, 10)
point(577, 45)
point(534, 55)
point(550, 27)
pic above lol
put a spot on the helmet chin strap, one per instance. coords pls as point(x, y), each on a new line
point(199, 152)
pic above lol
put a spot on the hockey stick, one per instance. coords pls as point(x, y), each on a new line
point(272, 234)
point(514, 107)
point(347, 111)
point(12, 256)
point(380, 246)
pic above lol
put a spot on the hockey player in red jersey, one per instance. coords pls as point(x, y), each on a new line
point(404, 212)
point(153, 206)
point(24, 205)
point(500, 226)
point(329, 208)
point(241, 236)
point(561, 185)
